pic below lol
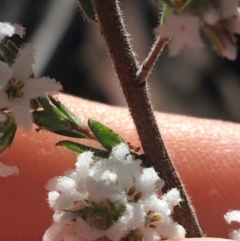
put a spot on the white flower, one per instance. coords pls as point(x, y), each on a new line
point(227, 47)
point(233, 216)
point(219, 22)
point(19, 30)
point(7, 29)
point(17, 88)
point(211, 15)
point(108, 199)
point(158, 211)
point(183, 29)
point(6, 170)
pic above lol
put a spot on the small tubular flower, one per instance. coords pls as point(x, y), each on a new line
point(183, 29)
point(219, 20)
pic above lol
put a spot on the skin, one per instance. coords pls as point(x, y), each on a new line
point(206, 154)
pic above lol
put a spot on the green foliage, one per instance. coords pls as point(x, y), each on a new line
point(56, 118)
point(65, 111)
point(88, 10)
point(8, 52)
point(169, 3)
point(166, 10)
point(8, 130)
point(80, 148)
point(107, 138)
point(55, 124)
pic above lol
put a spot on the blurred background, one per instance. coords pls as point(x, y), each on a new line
point(71, 50)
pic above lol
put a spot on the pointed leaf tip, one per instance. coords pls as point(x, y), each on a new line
point(88, 10)
point(8, 130)
point(80, 148)
point(107, 138)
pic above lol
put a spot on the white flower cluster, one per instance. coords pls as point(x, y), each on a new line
point(220, 20)
point(18, 87)
point(111, 199)
point(233, 216)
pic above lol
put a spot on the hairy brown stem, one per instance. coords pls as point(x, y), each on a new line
point(151, 59)
point(116, 38)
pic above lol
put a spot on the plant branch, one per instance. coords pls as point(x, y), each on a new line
point(116, 38)
point(151, 59)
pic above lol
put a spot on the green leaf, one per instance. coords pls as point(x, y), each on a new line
point(56, 118)
point(80, 148)
point(166, 10)
point(8, 129)
point(88, 10)
point(48, 107)
point(170, 3)
point(65, 111)
point(9, 52)
point(55, 123)
point(107, 138)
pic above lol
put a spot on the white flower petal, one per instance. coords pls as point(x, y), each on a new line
point(4, 101)
point(19, 30)
point(146, 182)
point(171, 230)
point(40, 87)
point(117, 231)
point(87, 232)
point(22, 68)
point(228, 49)
point(20, 108)
point(99, 192)
point(183, 29)
point(232, 216)
point(172, 197)
point(65, 184)
point(120, 151)
point(52, 198)
point(211, 15)
point(57, 232)
point(6, 170)
point(63, 217)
